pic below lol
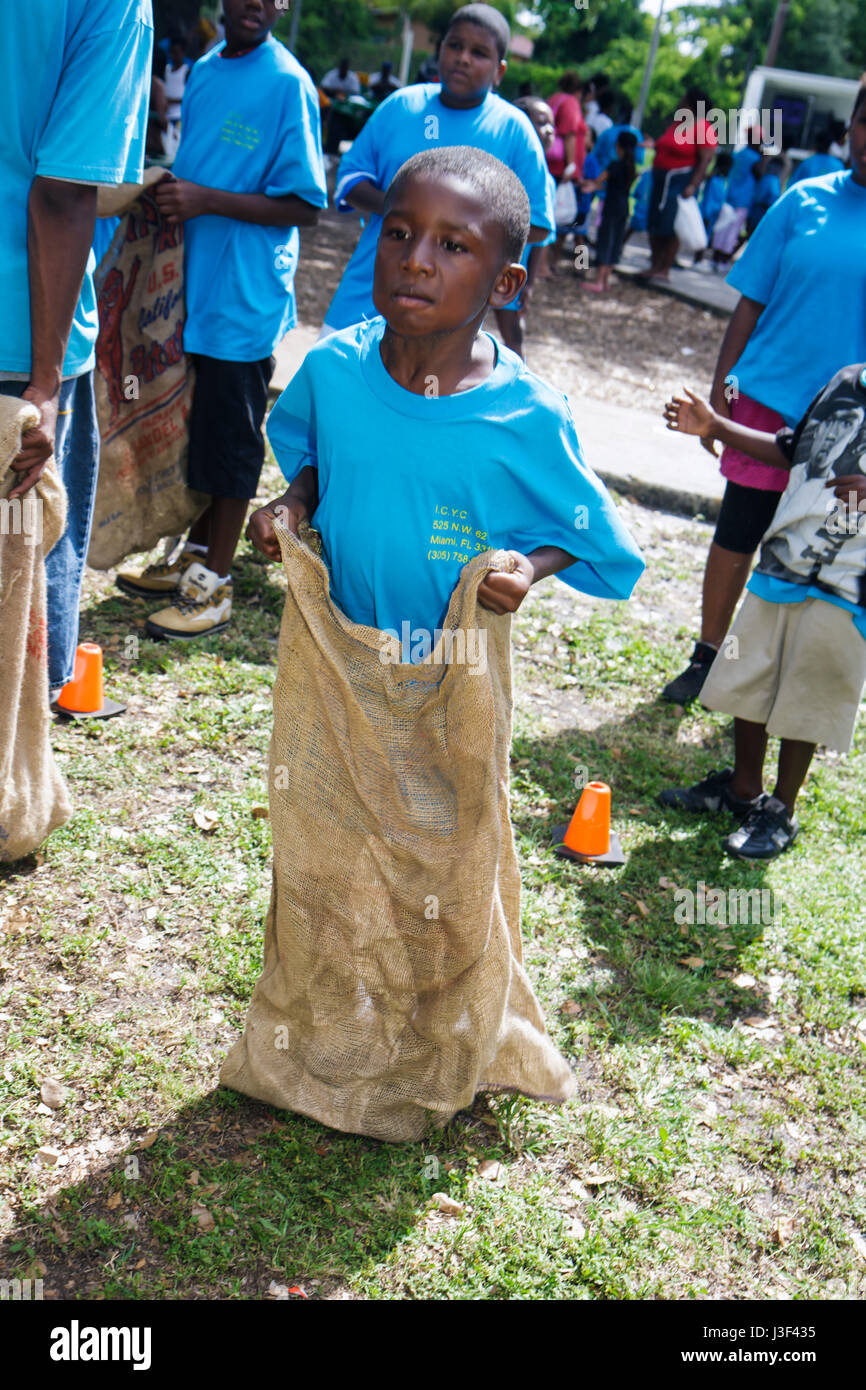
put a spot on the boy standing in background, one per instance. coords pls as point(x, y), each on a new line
point(252, 144)
point(461, 110)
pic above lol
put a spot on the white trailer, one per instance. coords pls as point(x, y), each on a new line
point(795, 107)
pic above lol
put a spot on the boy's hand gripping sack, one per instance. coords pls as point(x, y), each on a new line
point(143, 381)
point(33, 795)
point(393, 988)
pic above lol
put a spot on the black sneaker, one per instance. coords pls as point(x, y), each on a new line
point(712, 794)
point(766, 832)
point(690, 683)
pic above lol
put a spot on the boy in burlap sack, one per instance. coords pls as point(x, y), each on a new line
point(426, 456)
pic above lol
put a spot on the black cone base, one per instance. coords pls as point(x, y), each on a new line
point(610, 860)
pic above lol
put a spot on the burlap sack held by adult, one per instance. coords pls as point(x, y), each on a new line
point(393, 987)
point(143, 381)
point(33, 795)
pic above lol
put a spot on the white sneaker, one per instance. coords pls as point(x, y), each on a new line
point(203, 606)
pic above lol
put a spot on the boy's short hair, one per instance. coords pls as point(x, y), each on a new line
point(858, 100)
point(486, 17)
point(499, 189)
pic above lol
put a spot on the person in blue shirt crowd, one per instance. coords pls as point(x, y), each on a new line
point(591, 171)
point(605, 145)
point(768, 187)
point(800, 665)
point(747, 165)
point(510, 320)
point(616, 180)
point(74, 80)
point(249, 172)
point(713, 197)
point(714, 194)
point(482, 454)
point(799, 319)
point(462, 109)
point(821, 162)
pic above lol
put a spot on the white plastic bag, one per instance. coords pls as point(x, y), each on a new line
point(566, 204)
point(689, 226)
point(727, 216)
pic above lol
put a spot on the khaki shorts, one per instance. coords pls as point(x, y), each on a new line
point(798, 668)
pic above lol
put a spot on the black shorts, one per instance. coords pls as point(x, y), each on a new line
point(226, 444)
point(745, 514)
point(666, 187)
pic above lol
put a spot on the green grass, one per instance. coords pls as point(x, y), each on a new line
point(703, 1156)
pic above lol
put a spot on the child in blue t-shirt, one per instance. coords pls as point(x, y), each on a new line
point(510, 319)
point(415, 444)
point(768, 188)
point(714, 192)
point(480, 453)
point(462, 109)
point(248, 173)
point(616, 180)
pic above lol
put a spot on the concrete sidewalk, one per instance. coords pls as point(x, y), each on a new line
point(631, 450)
point(703, 288)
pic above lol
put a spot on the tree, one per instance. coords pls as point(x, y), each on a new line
point(573, 37)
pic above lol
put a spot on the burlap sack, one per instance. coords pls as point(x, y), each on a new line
point(143, 381)
point(33, 795)
point(392, 988)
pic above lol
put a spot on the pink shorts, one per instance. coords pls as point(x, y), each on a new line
point(739, 467)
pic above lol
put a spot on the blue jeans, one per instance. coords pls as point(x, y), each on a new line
point(76, 450)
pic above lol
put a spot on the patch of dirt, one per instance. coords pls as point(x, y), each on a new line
point(631, 347)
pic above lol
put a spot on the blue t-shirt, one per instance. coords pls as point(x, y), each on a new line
point(412, 120)
point(250, 125)
point(806, 263)
point(773, 590)
point(712, 199)
point(815, 166)
point(591, 170)
point(604, 148)
point(767, 189)
point(74, 88)
point(642, 194)
point(411, 488)
point(741, 180)
point(517, 303)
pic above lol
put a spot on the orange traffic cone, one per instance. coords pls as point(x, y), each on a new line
point(83, 697)
point(587, 838)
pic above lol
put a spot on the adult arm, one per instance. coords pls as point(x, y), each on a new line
point(700, 171)
point(179, 200)
point(60, 223)
point(366, 198)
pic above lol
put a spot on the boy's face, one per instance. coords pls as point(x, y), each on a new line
point(857, 144)
point(542, 118)
point(469, 64)
point(248, 22)
point(440, 259)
